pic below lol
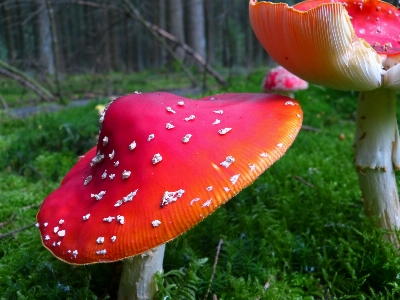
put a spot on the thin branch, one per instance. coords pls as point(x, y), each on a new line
point(221, 241)
point(4, 102)
point(134, 12)
point(16, 231)
point(305, 182)
point(25, 80)
point(191, 52)
point(309, 128)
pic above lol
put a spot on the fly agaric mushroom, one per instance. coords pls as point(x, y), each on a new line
point(280, 81)
point(347, 45)
point(156, 172)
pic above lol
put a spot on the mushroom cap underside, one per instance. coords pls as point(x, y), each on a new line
point(162, 164)
point(343, 45)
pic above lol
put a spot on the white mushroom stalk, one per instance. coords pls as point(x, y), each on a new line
point(376, 144)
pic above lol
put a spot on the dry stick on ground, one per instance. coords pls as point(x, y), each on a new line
point(25, 80)
point(16, 231)
point(305, 182)
point(4, 102)
point(221, 241)
point(309, 128)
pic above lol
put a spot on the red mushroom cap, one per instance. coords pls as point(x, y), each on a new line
point(162, 164)
point(376, 21)
point(279, 79)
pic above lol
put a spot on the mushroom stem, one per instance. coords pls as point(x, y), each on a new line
point(137, 279)
point(377, 157)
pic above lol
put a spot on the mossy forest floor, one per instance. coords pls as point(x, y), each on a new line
point(297, 233)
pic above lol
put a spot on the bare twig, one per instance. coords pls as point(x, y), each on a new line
point(25, 80)
point(221, 241)
point(309, 128)
point(305, 182)
point(30, 206)
point(16, 231)
point(134, 12)
point(191, 52)
point(4, 102)
point(2, 224)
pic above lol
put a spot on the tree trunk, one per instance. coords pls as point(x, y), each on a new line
point(46, 57)
point(9, 33)
point(162, 23)
point(176, 24)
point(196, 27)
point(137, 279)
point(210, 26)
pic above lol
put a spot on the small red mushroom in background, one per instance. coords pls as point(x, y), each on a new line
point(280, 81)
point(162, 164)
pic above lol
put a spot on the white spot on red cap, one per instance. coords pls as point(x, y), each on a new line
point(56, 229)
point(132, 145)
point(228, 161)
point(156, 223)
point(100, 240)
point(280, 145)
point(61, 233)
point(105, 140)
point(116, 164)
point(98, 158)
point(224, 130)
point(207, 203)
point(234, 178)
point(101, 252)
point(289, 103)
point(47, 237)
point(113, 238)
point(209, 188)
point(264, 154)
point(58, 243)
point(111, 176)
point(170, 109)
point(216, 122)
point(156, 158)
point(87, 180)
point(98, 196)
point(75, 253)
point(85, 217)
point(220, 112)
point(61, 221)
point(150, 137)
point(186, 138)
point(226, 189)
point(194, 200)
point(170, 197)
point(108, 219)
point(121, 219)
point(126, 174)
point(104, 175)
point(192, 117)
point(111, 155)
point(169, 126)
point(181, 103)
point(252, 167)
point(45, 224)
